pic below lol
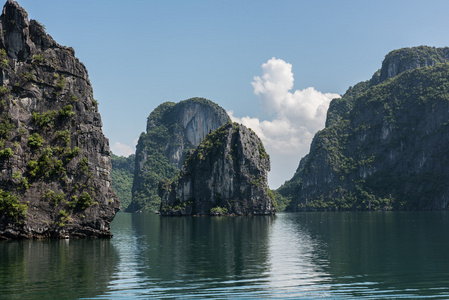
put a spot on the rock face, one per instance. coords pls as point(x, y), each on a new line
point(54, 159)
point(226, 174)
point(172, 130)
point(385, 145)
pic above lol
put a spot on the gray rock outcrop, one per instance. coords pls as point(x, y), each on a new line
point(226, 174)
point(54, 159)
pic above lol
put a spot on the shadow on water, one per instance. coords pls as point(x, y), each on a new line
point(55, 269)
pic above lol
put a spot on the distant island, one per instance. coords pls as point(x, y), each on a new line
point(172, 130)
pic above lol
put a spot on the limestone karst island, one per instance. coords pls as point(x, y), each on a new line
point(384, 147)
point(55, 161)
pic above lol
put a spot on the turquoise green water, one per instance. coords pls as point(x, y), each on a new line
point(305, 255)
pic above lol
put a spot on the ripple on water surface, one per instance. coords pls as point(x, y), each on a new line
point(304, 255)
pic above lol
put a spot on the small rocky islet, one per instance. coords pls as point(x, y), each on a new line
point(226, 175)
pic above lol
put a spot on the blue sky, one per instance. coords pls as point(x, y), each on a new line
point(140, 54)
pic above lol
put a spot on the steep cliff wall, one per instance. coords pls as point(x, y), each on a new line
point(385, 143)
point(54, 159)
point(226, 174)
point(172, 130)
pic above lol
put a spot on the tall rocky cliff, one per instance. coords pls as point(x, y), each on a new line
point(172, 130)
point(385, 145)
point(226, 174)
point(54, 159)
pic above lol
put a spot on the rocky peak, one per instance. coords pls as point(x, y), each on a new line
point(190, 120)
point(395, 63)
point(199, 118)
point(407, 59)
point(15, 25)
point(226, 174)
point(23, 38)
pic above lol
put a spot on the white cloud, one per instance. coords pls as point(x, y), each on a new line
point(296, 117)
point(122, 149)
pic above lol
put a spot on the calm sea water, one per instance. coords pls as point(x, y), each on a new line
point(302, 255)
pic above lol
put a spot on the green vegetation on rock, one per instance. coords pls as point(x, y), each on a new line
point(35, 141)
point(11, 207)
point(218, 211)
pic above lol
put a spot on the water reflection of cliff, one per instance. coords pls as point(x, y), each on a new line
point(56, 269)
point(391, 253)
point(205, 252)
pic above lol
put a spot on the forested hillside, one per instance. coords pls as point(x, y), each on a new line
point(386, 141)
point(122, 176)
